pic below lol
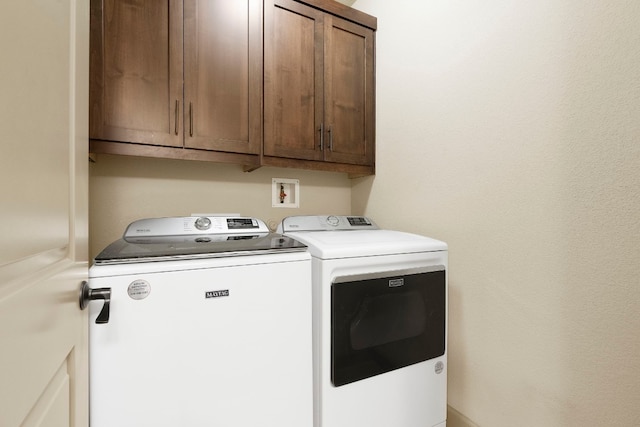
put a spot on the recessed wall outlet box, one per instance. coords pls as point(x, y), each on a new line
point(285, 193)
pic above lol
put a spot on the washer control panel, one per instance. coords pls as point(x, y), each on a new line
point(190, 225)
point(325, 223)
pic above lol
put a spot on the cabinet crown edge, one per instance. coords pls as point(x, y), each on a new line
point(344, 12)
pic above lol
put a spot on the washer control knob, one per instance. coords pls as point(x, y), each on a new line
point(203, 223)
point(333, 221)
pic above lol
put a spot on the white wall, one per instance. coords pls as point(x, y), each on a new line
point(124, 189)
point(511, 130)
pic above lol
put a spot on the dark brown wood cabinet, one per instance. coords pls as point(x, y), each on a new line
point(177, 78)
point(285, 83)
point(136, 72)
point(319, 88)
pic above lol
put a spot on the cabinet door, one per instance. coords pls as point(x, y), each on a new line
point(293, 80)
point(223, 75)
point(349, 92)
point(136, 71)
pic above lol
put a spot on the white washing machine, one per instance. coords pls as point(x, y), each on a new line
point(201, 321)
point(380, 323)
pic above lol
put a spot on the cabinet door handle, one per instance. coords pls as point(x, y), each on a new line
point(177, 116)
point(330, 130)
point(190, 119)
point(321, 130)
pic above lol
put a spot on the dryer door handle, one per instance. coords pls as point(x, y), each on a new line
point(87, 294)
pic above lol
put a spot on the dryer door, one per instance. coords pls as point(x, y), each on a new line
point(385, 321)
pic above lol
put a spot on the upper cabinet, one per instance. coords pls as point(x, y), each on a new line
point(223, 75)
point(319, 88)
point(186, 79)
point(136, 72)
point(177, 73)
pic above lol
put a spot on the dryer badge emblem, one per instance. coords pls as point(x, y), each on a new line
point(217, 294)
point(394, 283)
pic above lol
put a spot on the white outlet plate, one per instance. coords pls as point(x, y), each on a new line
point(285, 193)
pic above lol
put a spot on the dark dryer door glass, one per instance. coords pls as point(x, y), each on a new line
point(385, 321)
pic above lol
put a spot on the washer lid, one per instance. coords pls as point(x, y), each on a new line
point(161, 239)
point(350, 244)
point(137, 250)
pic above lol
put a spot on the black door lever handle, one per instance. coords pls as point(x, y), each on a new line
point(87, 294)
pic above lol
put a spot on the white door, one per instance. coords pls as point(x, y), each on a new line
point(43, 212)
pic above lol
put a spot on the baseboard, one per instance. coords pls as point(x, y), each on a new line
point(456, 419)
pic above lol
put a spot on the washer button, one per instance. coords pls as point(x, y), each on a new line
point(333, 221)
point(203, 223)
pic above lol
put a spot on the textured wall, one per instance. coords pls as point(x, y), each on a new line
point(123, 189)
point(511, 130)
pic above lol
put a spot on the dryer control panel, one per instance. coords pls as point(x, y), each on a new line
point(325, 223)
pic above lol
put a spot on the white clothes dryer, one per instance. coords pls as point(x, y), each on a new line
point(201, 321)
point(379, 323)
